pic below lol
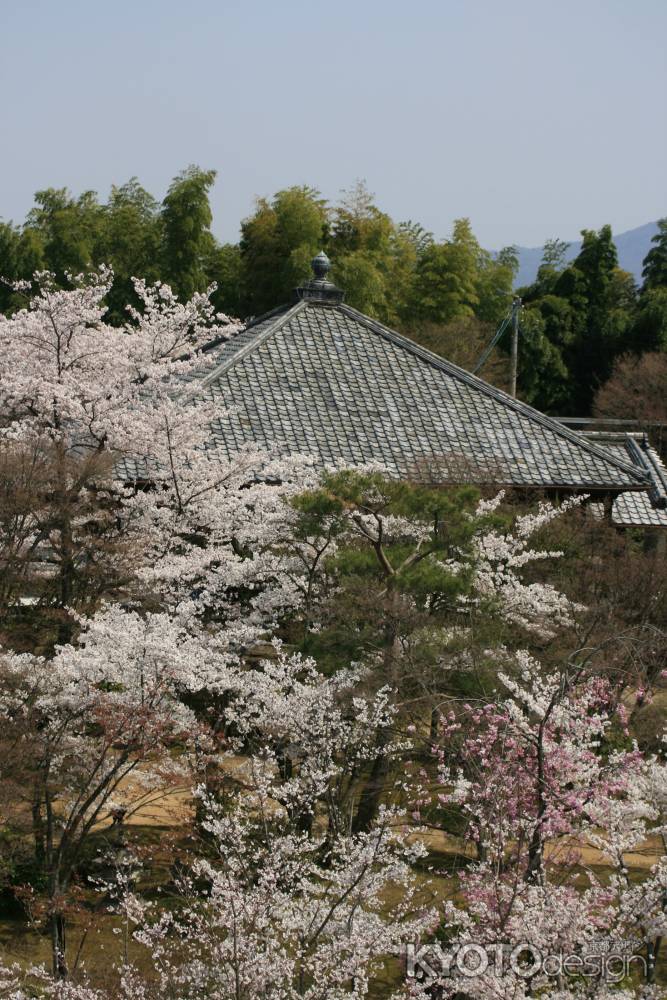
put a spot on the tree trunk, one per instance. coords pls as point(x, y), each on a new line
point(38, 830)
point(66, 577)
point(435, 723)
point(371, 796)
point(59, 946)
point(534, 873)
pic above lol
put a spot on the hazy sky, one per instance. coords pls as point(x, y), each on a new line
point(534, 118)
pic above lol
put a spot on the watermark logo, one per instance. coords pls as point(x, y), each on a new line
point(604, 960)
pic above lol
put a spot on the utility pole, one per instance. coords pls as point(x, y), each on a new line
point(516, 306)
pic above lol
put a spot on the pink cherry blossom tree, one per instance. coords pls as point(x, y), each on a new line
point(539, 783)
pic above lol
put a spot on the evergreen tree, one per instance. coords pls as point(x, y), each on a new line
point(21, 254)
point(578, 319)
point(650, 331)
point(130, 243)
point(374, 259)
point(446, 281)
point(440, 293)
point(597, 261)
point(654, 271)
point(277, 244)
point(364, 283)
point(30, 256)
point(67, 229)
point(650, 328)
point(495, 281)
point(358, 224)
point(187, 238)
point(551, 267)
point(224, 268)
point(545, 332)
point(416, 235)
point(601, 316)
point(9, 250)
point(553, 254)
point(458, 279)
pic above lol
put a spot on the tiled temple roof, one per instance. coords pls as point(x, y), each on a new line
point(321, 379)
point(648, 509)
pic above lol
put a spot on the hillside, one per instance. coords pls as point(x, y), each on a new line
point(632, 247)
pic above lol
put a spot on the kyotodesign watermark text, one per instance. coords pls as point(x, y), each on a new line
point(609, 961)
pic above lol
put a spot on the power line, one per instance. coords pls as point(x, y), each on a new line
point(498, 334)
point(513, 318)
point(514, 354)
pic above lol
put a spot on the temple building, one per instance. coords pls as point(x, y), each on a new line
point(320, 378)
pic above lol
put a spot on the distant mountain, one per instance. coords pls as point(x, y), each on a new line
point(632, 248)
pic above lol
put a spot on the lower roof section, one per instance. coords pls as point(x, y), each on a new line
point(643, 510)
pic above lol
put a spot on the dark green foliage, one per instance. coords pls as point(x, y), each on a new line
point(68, 230)
point(577, 319)
point(444, 287)
point(650, 333)
point(187, 242)
point(130, 242)
point(654, 271)
point(589, 285)
point(374, 259)
point(457, 279)
point(132, 233)
point(224, 268)
point(650, 329)
point(544, 379)
point(10, 238)
point(277, 244)
point(370, 579)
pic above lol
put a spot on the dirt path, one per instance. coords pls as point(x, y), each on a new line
point(566, 850)
point(174, 807)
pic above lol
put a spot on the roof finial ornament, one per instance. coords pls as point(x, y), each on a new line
point(319, 288)
point(321, 266)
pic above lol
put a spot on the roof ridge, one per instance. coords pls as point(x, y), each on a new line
point(262, 318)
point(223, 339)
point(650, 460)
point(246, 349)
point(490, 390)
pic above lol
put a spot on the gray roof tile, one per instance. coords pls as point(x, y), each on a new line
point(637, 509)
point(324, 380)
